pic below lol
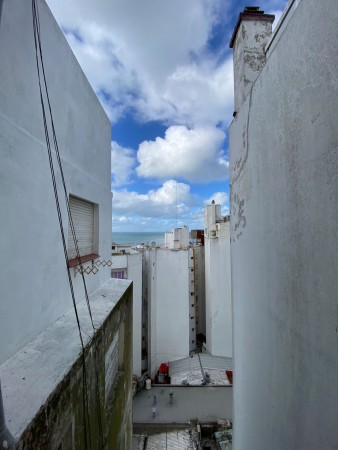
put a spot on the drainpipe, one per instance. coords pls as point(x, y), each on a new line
point(6, 439)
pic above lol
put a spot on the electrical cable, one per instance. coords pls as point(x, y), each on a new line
point(62, 175)
point(36, 29)
point(39, 56)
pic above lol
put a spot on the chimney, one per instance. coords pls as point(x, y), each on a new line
point(251, 34)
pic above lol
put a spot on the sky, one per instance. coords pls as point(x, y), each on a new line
point(163, 73)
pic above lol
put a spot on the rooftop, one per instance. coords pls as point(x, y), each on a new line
point(193, 370)
point(205, 403)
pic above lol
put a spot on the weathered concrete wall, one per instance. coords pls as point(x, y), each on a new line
point(218, 308)
point(249, 56)
point(43, 382)
point(284, 230)
point(30, 241)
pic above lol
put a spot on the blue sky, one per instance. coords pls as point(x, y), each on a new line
point(163, 73)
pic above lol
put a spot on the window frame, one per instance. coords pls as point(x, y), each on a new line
point(85, 257)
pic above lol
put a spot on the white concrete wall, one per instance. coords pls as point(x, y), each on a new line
point(132, 263)
point(169, 299)
point(33, 278)
point(218, 293)
point(119, 261)
point(212, 214)
point(284, 231)
point(135, 274)
point(150, 256)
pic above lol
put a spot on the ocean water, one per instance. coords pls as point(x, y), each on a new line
point(138, 237)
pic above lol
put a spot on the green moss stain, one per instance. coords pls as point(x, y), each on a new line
point(65, 404)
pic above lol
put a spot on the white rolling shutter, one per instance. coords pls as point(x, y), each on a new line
point(83, 220)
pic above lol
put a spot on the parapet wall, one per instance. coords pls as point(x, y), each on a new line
point(43, 383)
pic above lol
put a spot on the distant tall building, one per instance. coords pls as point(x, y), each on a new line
point(169, 297)
point(218, 315)
point(169, 316)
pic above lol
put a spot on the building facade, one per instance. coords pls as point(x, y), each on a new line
point(284, 233)
point(168, 303)
point(218, 306)
point(171, 317)
point(56, 393)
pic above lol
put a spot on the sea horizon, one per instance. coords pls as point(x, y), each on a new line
point(138, 237)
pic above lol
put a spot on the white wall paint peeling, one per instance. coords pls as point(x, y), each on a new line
point(284, 234)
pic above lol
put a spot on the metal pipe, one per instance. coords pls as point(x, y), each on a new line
point(6, 439)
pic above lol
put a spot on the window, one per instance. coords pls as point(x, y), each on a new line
point(83, 216)
point(119, 273)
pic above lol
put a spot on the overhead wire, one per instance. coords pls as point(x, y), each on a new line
point(61, 173)
point(85, 396)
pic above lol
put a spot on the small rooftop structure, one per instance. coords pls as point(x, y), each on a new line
point(177, 239)
point(200, 369)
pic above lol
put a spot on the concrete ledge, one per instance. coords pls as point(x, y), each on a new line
point(31, 376)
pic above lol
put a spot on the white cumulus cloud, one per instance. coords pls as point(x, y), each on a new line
point(151, 58)
point(159, 202)
point(195, 155)
point(122, 164)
